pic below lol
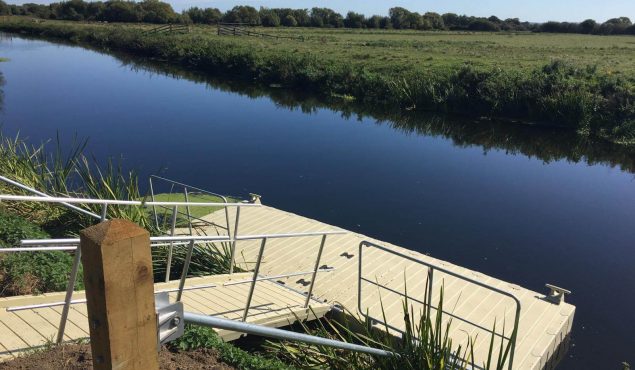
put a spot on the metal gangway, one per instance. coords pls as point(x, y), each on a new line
point(172, 241)
point(346, 282)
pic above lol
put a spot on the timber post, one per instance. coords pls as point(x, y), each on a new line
point(120, 295)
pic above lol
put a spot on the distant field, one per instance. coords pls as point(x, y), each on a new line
point(383, 50)
point(417, 50)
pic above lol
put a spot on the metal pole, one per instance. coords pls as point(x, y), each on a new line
point(233, 248)
point(219, 323)
point(186, 268)
point(169, 262)
point(187, 208)
point(430, 282)
point(154, 208)
point(69, 295)
point(34, 191)
point(359, 279)
point(514, 336)
point(104, 212)
point(255, 278)
point(315, 271)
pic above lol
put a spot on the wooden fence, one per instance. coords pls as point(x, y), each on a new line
point(169, 29)
point(243, 29)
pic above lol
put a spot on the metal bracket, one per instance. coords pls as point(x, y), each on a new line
point(556, 294)
point(255, 198)
point(170, 323)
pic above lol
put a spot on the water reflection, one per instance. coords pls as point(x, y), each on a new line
point(533, 141)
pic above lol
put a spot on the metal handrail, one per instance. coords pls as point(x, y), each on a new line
point(185, 191)
point(431, 267)
point(49, 199)
point(72, 244)
point(68, 243)
point(261, 330)
point(35, 191)
point(189, 215)
point(188, 238)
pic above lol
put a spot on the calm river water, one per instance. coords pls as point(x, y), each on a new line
point(528, 205)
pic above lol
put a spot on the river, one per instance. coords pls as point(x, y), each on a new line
point(524, 204)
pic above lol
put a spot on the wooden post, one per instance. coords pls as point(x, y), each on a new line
point(120, 295)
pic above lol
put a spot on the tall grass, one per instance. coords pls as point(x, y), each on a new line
point(66, 173)
point(424, 344)
point(71, 173)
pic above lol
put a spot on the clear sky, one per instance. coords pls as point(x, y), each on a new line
point(529, 10)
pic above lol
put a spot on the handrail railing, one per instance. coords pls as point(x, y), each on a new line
point(261, 330)
point(29, 198)
point(35, 191)
point(72, 244)
point(186, 192)
point(431, 268)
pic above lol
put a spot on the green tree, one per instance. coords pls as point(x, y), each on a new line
point(435, 20)
point(242, 14)
point(269, 18)
point(120, 11)
point(289, 21)
point(399, 17)
point(155, 11)
point(588, 26)
point(325, 17)
point(4, 8)
point(354, 20)
point(482, 24)
point(374, 22)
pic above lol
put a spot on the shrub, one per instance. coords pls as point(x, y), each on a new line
point(201, 337)
point(30, 272)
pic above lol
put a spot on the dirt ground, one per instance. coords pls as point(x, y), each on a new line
point(78, 357)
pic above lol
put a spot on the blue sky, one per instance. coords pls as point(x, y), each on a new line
point(532, 10)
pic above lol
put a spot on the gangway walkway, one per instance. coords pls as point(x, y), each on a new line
point(385, 277)
point(358, 275)
point(28, 326)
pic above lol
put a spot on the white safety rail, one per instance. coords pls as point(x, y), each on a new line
point(72, 244)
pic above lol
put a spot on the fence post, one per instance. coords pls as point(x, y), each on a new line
point(120, 295)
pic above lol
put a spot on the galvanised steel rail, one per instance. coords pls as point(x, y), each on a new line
point(191, 240)
point(186, 193)
point(106, 202)
point(34, 191)
point(242, 327)
point(431, 268)
point(71, 244)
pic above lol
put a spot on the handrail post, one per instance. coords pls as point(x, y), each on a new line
point(429, 283)
point(255, 278)
point(187, 208)
point(186, 268)
point(154, 208)
point(120, 296)
point(171, 247)
point(315, 271)
point(69, 295)
point(104, 212)
point(233, 247)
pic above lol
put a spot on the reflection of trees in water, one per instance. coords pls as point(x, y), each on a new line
point(1, 91)
point(546, 144)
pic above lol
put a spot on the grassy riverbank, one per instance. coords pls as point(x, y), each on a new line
point(583, 83)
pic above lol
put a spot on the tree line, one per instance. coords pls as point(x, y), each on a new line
point(155, 11)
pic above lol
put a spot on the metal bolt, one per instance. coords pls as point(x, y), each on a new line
point(94, 324)
point(176, 321)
